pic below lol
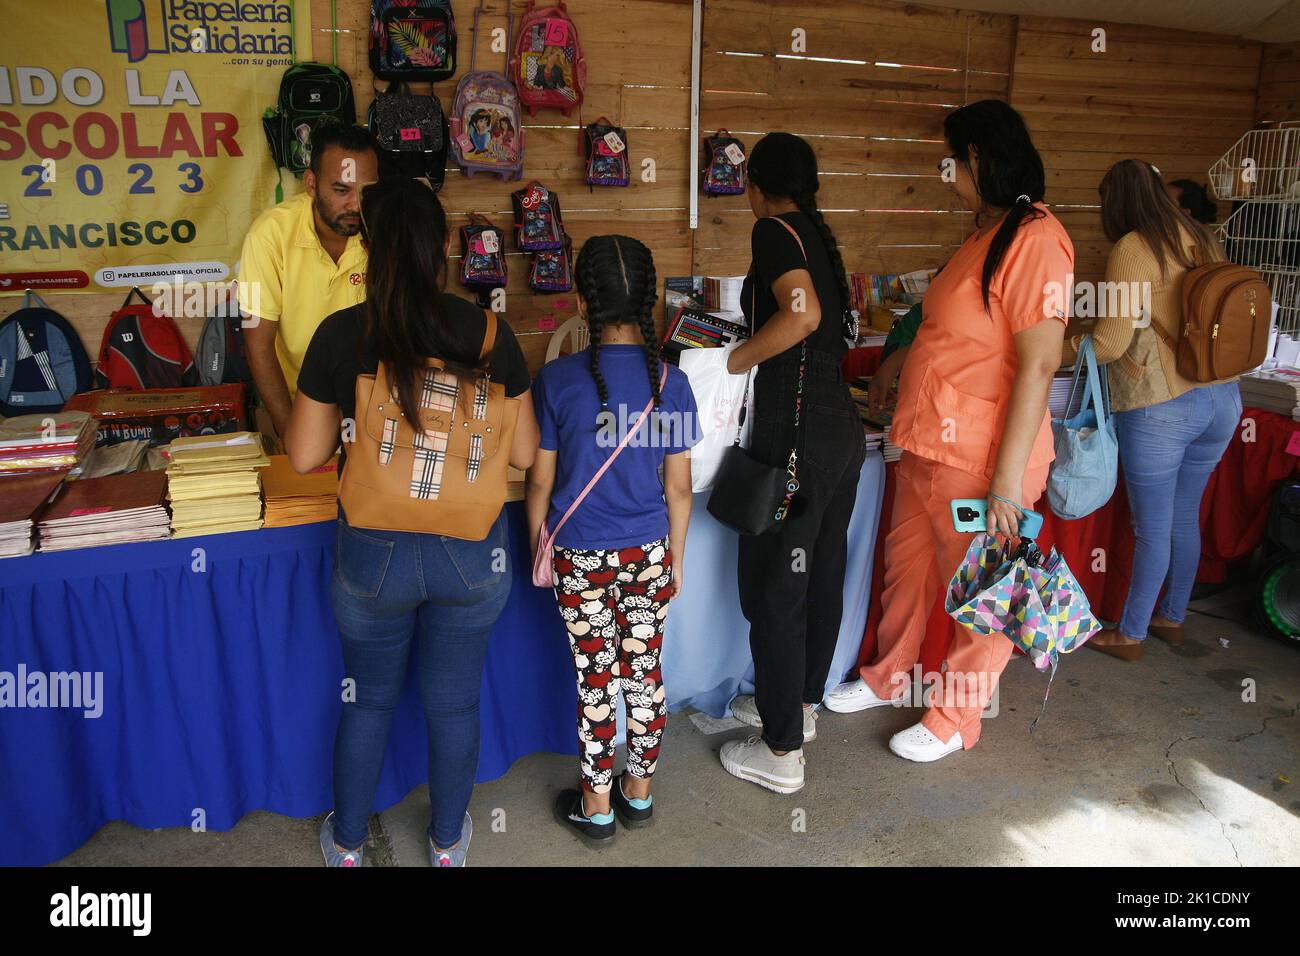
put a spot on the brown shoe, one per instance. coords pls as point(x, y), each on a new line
point(1110, 641)
point(1169, 633)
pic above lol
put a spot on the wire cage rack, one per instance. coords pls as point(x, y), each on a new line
point(1260, 176)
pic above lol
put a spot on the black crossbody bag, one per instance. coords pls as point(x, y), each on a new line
point(748, 495)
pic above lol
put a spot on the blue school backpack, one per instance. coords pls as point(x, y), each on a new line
point(42, 360)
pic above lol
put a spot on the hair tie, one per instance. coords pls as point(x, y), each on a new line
point(1023, 198)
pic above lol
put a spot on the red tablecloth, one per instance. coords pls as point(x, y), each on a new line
point(1099, 548)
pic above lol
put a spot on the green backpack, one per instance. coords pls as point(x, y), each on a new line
point(309, 94)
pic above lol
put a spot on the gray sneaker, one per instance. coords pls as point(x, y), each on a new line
point(754, 761)
point(333, 855)
point(745, 710)
point(456, 855)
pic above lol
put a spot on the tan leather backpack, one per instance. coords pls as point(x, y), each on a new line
point(1227, 310)
point(449, 476)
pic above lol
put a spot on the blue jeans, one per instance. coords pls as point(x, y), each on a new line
point(1167, 452)
point(392, 589)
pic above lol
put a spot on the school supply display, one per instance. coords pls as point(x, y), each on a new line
point(548, 67)
point(413, 133)
point(412, 40)
point(445, 474)
point(482, 255)
point(161, 415)
point(21, 499)
point(213, 483)
point(604, 148)
point(486, 118)
point(724, 165)
point(142, 348)
point(54, 441)
point(1084, 472)
point(293, 499)
point(42, 360)
point(544, 556)
point(117, 509)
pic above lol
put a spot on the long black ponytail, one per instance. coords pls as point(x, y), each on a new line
point(1010, 171)
point(616, 277)
point(784, 166)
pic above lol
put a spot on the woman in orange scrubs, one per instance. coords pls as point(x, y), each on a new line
point(972, 419)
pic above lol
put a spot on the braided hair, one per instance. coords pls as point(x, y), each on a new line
point(616, 278)
point(783, 165)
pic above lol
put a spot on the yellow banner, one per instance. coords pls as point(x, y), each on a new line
point(131, 141)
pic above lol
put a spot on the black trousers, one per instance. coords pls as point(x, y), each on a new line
point(792, 580)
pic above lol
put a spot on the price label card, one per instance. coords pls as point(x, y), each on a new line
point(465, 143)
point(614, 142)
point(557, 32)
point(546, 323)
point(490, 241)
point(734, 153)
point(410, 133)
point(535, 196)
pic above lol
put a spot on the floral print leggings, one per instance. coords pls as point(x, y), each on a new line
point(614, 604)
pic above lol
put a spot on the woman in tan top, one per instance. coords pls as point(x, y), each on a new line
point(1172, 431)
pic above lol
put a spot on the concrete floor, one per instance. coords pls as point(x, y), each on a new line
point(1155, 763)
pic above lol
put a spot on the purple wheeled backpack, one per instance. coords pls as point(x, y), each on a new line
point(486, 119)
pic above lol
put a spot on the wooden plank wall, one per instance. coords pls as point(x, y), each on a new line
point(1278, 97)
point(1178, 100)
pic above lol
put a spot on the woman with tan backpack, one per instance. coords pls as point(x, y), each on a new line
point(421, 540)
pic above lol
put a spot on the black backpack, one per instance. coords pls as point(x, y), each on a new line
point(42, 360)
point(221, 358)
point(412, 40)
point(310, 93)
point(413, 134)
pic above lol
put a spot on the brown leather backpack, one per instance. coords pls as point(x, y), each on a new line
point(448, 478)
point(1227, 310)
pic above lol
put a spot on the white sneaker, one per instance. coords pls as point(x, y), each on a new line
point(745, 710)
point(917, 743)
point(754, 761)
point(853, 696)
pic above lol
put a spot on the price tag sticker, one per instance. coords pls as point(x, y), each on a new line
point(465, 143)
point(734, 153)
point(557, 32)
point(490, 241)
point(546, 323)
point(536, 195)
point(411, 133)
point(615, 142)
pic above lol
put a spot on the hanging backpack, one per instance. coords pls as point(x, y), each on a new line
point(548, 66)
point(142, 349)
point(412, 40)
point(538, 226)
point(486, 120)
point(482, 255)
point(552, 270)
point(1227, 312)
point(42, 360)
point(724, 165)
point(412, 133)
point(310, 94)
point(604, 146)
point(221, 357)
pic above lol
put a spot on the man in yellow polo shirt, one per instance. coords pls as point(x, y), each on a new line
point(303, 260)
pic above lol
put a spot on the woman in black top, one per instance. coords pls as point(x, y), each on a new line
point(796, 299)
point(393, 589)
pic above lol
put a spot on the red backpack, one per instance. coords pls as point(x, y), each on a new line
point(548, 67)
point(142, 349)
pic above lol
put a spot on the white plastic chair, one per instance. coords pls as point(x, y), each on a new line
point(575, 330)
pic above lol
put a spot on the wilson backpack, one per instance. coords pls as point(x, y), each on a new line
point(604, 146)
point(42, 360)
point(142, 349)
point(412, 40)
point(412, 133)
point(310, 93)
point(486, 120)
point(538, 226)
point(724, 165)
point(483, 255)
point(552, 270)
point(548, 66)
point(221, 357)
point(1227, 311)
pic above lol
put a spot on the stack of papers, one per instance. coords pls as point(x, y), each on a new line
point(1275, 390)
point(45, 443)
point(875, 425)
point(120, 459)
point(212, 481)
point(112, 510)
point(21, 499)
point(292, 498)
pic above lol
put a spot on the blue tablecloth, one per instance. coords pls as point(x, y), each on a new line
point(219, 676)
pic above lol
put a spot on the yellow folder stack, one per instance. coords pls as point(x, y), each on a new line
point(292, 498)
point(213, 483)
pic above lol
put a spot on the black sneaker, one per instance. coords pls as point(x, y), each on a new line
point(630, 816)
point(595, 832)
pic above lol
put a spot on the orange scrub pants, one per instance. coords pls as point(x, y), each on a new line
point(922, 551)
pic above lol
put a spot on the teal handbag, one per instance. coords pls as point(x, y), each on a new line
point(1082, 477)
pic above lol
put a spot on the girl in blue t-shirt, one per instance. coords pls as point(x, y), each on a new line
point(618, 557)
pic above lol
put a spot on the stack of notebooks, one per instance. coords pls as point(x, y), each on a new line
point(292, 498)
point(875, 425)
point(212, 481)
point(1060, 394)
point(116, 509)
point(21, 499)
point(60, 441)
point(1275, 390)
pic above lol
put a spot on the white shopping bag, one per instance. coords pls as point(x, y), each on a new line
point(719, 396)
